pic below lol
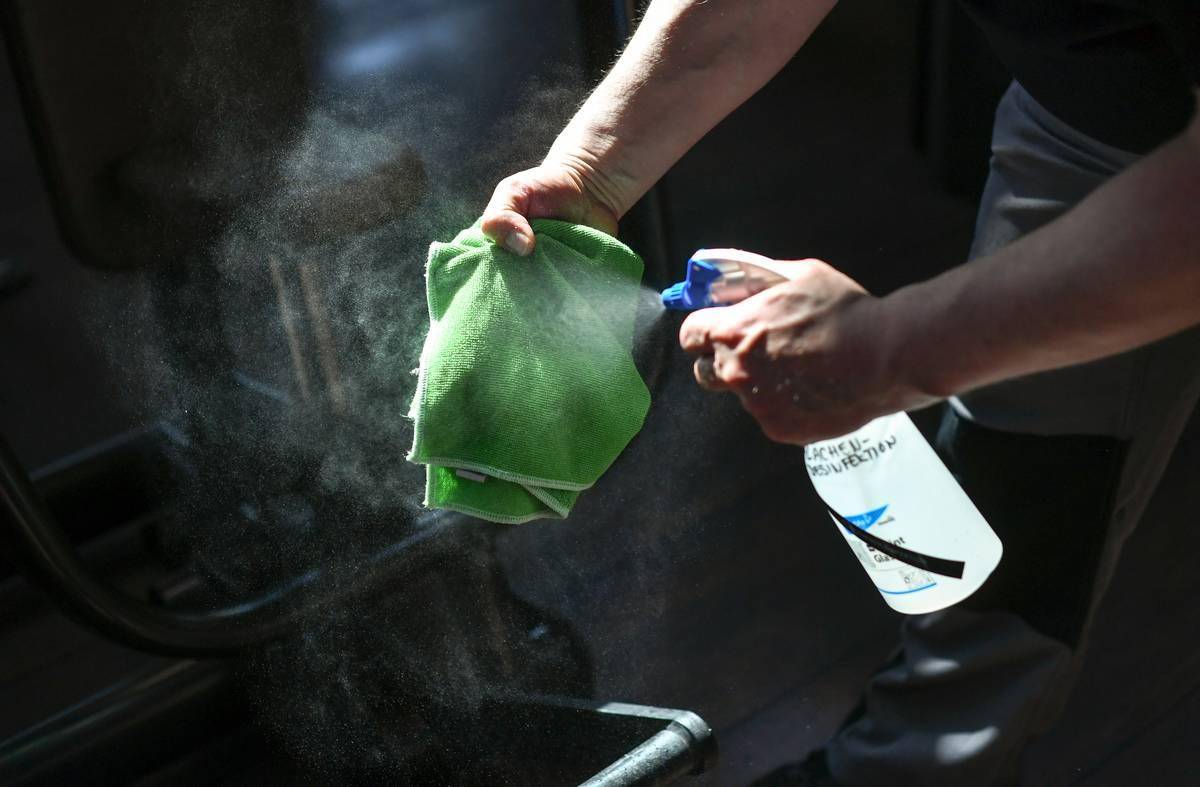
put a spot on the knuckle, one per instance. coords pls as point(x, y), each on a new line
point(731, 371)
point(690, 331)
point(504, 186)
point(514, 186)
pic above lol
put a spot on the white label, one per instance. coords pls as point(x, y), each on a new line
point(886, 480)
point(891, 576)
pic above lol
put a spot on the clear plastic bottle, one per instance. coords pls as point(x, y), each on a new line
point(919, 537)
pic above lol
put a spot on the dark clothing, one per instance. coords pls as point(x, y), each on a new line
point(1062, 464)
point(1120, 71)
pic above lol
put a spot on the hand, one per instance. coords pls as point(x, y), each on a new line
point(809, 359)
point(550, 191)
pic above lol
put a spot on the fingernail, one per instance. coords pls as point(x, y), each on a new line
point(518, 243)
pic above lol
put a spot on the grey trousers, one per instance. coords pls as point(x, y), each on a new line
point(968, 689)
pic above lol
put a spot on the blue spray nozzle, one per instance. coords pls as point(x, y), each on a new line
point(694, 291)
point(719, 277)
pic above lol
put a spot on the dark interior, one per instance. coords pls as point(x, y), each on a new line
point(215, 568)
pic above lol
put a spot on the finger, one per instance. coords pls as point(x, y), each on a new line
point(704, 327)
point(730, 368)
point(504, 220)
point(706, 375)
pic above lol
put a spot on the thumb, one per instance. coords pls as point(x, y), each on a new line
point(504, 221)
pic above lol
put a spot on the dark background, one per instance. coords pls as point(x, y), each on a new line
point(700, 574)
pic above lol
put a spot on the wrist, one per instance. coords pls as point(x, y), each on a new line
point(594, 159)
point(916, 356)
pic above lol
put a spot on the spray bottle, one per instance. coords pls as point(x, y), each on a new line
point(922, 541)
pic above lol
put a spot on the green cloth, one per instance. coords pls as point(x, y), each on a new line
point(527, 374)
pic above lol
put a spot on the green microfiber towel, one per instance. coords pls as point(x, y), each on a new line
point(527, 389)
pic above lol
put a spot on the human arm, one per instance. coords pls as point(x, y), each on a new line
point(1118, 271)
point(690, 63)
point(818, 357)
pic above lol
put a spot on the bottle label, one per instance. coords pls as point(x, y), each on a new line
point(891, 576)
point(917, 534)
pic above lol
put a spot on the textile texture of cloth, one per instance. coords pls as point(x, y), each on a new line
point(527, 390)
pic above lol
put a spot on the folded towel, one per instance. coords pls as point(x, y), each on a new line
point(527, 389)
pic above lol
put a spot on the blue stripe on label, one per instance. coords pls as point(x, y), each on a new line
point(904, 592)
point(869, 518)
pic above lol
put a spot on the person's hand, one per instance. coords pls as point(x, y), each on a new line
point(548, 191)
point(810, 359)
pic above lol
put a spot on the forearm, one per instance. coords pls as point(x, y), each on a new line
point(689, 64)
point(1119, 270)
